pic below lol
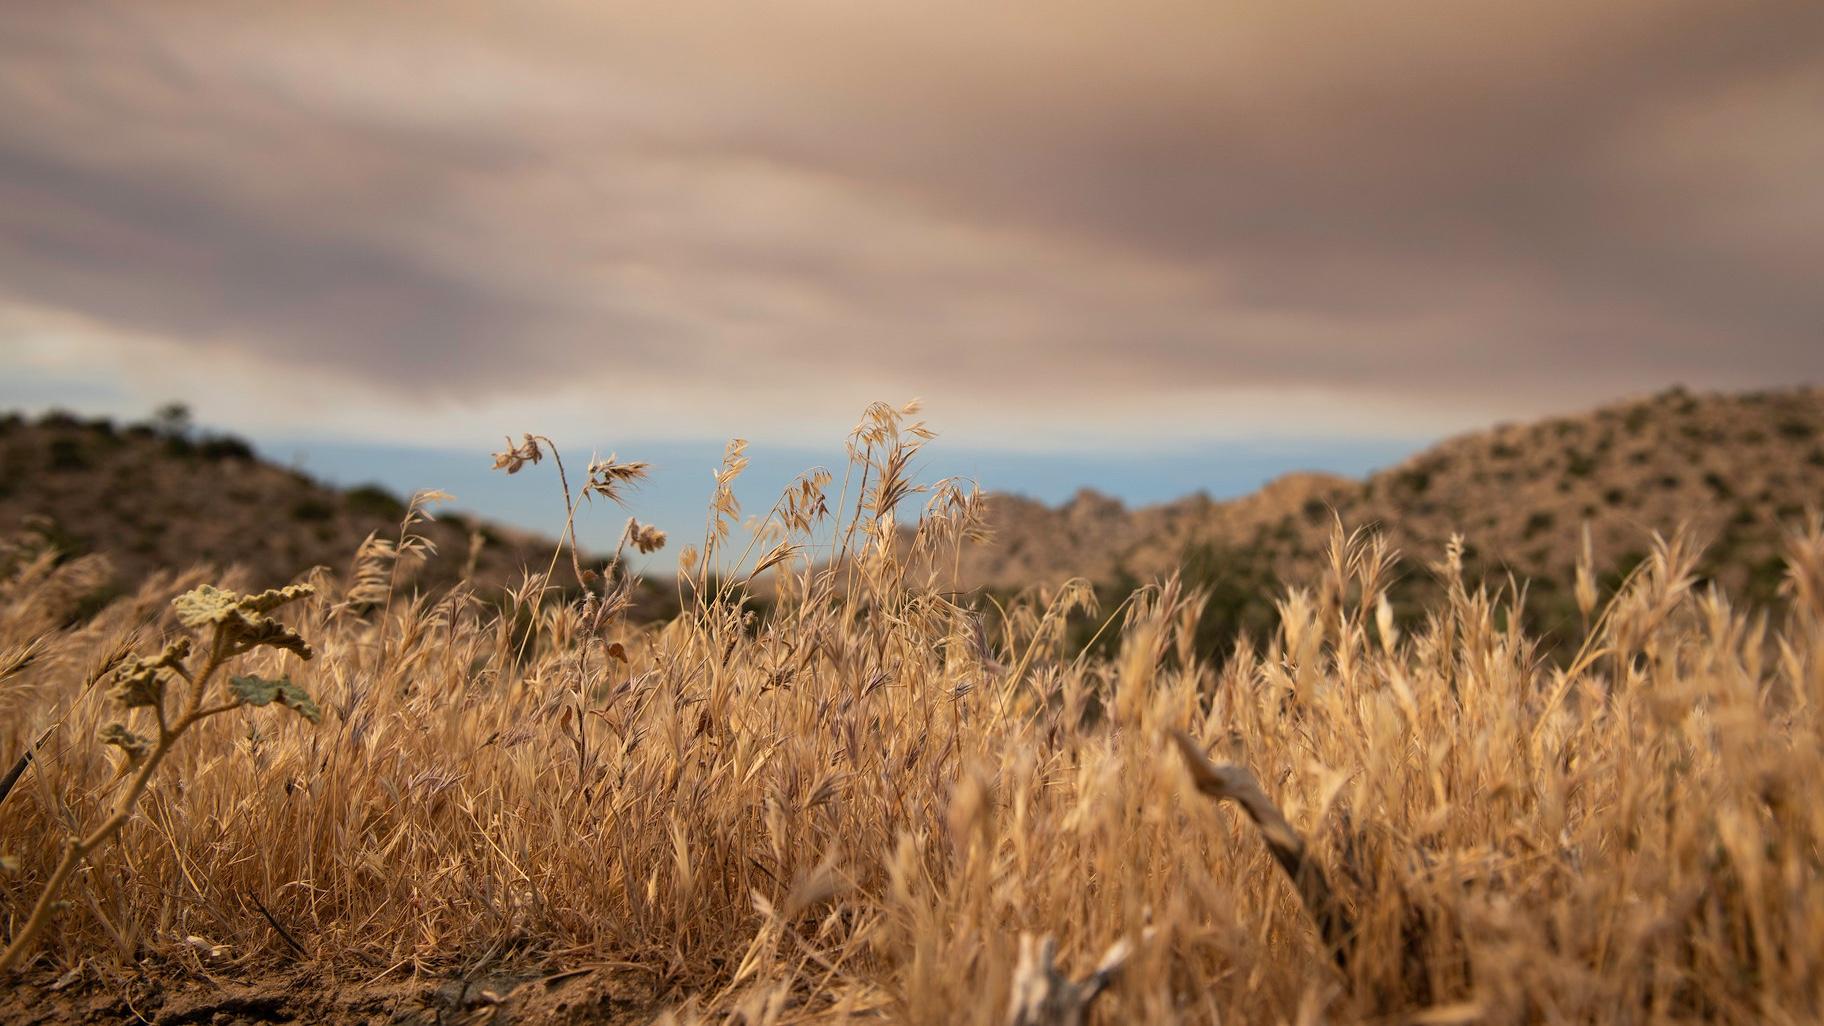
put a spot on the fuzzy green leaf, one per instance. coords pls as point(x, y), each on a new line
point(254, 630)
point(263, 691)
point(272, 598)
point(141, 681)
point(206, 604)
point(242, 618)
point(137, 685)
point(254, 690)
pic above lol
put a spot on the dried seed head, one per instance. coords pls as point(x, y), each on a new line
point(514, 458)
point(1586, 577)
point(645, 537)
point(608, 477)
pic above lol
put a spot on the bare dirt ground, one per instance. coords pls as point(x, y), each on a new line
point(311, 995)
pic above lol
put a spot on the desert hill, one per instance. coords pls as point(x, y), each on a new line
point(162, 496)
point(1735, 467)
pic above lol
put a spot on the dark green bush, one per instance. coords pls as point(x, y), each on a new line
point(224, 447)
point(1539, 522)
point(373, 500)
point(312, 509)
point(66, 453)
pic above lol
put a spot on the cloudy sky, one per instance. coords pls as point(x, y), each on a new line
point(1291, 227)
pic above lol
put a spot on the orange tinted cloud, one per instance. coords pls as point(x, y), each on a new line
point(1060, 207)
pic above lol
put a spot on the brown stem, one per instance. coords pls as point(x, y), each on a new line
point(1236, 784)
point(80, 849)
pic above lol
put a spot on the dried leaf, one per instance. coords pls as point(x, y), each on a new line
point(257, 631)
point(141, 682)
point(272, 598)
point(134, 746)
point(205, 605)
point(243, 618)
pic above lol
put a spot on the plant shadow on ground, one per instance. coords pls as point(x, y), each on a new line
point(309, 995)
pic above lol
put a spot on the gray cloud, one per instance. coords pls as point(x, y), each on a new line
point(1530, 204)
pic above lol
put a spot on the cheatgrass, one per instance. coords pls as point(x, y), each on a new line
point(877, 799)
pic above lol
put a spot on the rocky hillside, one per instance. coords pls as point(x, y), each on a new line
point(1734, 467)
point(162, 496)
point(1737, 468)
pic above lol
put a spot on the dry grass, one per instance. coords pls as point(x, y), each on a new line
point(857, 807)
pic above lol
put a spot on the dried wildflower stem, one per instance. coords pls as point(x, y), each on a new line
point(1043, 996)
point(1236, 784)
point(570, 504)
point(239, 625)
point(80, 848)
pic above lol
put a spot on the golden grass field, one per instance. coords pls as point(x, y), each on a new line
point(870, 803)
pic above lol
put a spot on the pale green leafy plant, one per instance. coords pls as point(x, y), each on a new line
point(175, 686)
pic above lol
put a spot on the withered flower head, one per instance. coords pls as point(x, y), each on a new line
point(514, 458)
point(645, 537)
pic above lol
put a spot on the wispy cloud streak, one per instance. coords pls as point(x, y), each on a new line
point(1067, 213)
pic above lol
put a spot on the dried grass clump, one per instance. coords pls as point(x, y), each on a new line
point(870, 802)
